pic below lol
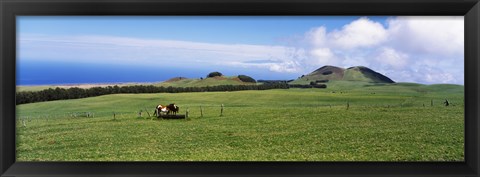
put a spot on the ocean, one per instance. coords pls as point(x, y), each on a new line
point(58, 73)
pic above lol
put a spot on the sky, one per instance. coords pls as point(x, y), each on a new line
point(100, 49)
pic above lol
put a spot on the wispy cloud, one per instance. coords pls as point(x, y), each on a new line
point(111, 49)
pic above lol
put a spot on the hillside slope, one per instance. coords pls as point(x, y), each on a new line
point(210, 81)
point(333, 73)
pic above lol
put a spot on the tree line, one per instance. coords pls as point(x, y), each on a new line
point(51, 94)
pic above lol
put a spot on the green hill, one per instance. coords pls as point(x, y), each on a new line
point(210, 81)
point(327, 73)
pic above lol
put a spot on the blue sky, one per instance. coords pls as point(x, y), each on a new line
point(154, 48)
point(262, 30)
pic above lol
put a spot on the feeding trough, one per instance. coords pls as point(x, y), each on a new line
point(178, 116)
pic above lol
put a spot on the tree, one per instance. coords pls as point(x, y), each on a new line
point(75, 92)
point(214, 74)
point(246, 78)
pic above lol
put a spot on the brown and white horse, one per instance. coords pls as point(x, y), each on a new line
point(159, 109)
point(171, 108)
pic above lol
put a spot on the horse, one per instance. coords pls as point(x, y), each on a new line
point(172, 108)
point(159, 109)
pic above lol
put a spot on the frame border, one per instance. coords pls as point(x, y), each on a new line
point(9, 9)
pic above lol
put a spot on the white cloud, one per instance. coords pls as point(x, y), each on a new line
point(285, 64)
point(322, 55)
point(317, 36)
point(440, 35)
point(289, 66)
point(391, 58)
point(430, 47)
point(360, 33)
point(438, 76)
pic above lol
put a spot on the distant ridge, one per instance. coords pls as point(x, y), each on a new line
point(212, 79)
point(175, 79)
point(356, 73)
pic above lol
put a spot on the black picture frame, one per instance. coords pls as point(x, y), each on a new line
point(9, 9)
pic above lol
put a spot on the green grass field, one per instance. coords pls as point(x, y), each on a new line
point(384, 122)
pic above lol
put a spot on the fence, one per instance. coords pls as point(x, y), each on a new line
point(197, 110)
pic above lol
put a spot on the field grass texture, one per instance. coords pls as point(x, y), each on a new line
point(383, 122)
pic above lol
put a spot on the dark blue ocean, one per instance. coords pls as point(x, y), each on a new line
point(45, 73)
point(49, 73)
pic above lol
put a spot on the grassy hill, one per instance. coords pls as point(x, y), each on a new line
point(384, 122)
point(333, 73)
point(210, 81)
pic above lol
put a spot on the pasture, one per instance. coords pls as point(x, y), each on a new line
point(388, 122)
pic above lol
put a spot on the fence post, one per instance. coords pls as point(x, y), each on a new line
point(186, 113)
point(147, 112)
point(348, 104)
point(201, 111)
point(221, 111)
point(113, 115)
